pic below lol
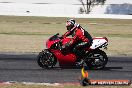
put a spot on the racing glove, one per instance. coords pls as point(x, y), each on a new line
point(65, 46)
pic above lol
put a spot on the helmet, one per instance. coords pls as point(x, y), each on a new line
point(70, 24)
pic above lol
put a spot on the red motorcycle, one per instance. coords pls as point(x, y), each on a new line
point(94, 58)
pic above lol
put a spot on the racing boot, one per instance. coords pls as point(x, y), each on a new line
point(80, 58)
point(79, 63)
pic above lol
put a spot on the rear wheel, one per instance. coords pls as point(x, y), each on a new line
point(97, 60)
point(46, 59)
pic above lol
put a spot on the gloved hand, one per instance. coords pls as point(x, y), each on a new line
point(63, 47)
point(61, 37)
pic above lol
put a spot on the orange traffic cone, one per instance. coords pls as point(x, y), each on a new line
point(84, 78)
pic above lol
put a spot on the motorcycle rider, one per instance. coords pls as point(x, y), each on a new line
point(80, 39)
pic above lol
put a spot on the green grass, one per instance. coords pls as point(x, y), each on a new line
point(32, 33)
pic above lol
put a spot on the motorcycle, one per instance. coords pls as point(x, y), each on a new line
point(94, 57)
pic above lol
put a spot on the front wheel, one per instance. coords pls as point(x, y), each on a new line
point(97, 60)
point(46, 59)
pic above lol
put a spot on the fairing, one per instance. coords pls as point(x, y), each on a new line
point(98, 41)
point(64, 58)
point(67, 58)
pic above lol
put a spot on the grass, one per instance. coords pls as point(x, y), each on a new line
point(29, 34)
point(61, 86)
point(26, 86)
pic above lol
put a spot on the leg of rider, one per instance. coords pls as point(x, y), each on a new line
point(79, 50)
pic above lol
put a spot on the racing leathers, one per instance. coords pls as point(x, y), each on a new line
point(80, 39)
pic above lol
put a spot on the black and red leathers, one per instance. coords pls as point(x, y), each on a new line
point(80, 39)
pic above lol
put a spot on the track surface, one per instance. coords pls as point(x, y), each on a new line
point(23, 68)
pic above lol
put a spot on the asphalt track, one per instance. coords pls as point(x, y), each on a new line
point(23, 68)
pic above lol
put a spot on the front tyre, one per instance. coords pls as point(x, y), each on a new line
point(97, 60)
point(46, 59)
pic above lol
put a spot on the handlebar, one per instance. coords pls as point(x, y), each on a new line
point(57, 34)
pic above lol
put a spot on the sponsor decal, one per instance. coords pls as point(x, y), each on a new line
point(109, 82)
point(84, 80)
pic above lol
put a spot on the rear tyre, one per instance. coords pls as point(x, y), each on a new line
point(46, 59)
point(97, 60)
